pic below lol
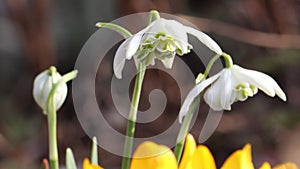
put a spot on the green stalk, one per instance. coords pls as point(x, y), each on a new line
point(228, 60)
point(184, 129)
point(210, 64)
point(132, 117)
point(153, 15)
point(53, 152)
point(115, 27)
point(187, 119)
point(52, 119)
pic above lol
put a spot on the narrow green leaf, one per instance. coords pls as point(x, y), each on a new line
point(94, 152)
point(70, 160)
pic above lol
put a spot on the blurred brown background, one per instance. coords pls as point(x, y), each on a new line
point(259, 34)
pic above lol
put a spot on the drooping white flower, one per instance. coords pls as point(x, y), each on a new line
point(42, 86)
point(230, 85)
point(161, 39)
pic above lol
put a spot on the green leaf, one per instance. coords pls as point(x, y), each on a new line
point(94, 152)
point(70, 160)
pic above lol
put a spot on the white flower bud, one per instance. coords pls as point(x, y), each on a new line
point(42, 86)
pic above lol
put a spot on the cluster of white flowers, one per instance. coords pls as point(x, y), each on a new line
point(163, 39)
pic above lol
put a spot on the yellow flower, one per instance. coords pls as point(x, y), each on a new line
point(88, 165)
point(266, 165)
point(150, 155)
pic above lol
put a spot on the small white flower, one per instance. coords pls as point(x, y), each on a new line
point(42, 86)
point(231, 85)
point(162, 39)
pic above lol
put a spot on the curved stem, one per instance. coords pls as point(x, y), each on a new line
point(132, 117)
point(51, 115)
point(228, 63)
point(228, 60)
point(210, 64)
point(153, 15)
point(187, 119)
point(115, 27)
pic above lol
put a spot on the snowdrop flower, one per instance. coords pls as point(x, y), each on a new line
point(230, 85)
point(42, 86)
point(161, 39)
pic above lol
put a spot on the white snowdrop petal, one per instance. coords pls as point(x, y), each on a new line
point(42, 87)
point(120, 57)
point(156, 26)
point(212, 96)
point(227, 86)
point(205, 39)
point(279, 92)
point(133, 45)
point(135, 41)
point(40, 84)
point(177, 31)
point(60, 95)
point(218, 96)
point(194, 93)
point(168, 62)
point(254, 78)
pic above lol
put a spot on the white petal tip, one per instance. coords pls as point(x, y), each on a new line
point(180, 119)
point(180, 116)
point(45, 112)
point(118, 76)
point(282, 97)
point(118, 71)
point(218, 50)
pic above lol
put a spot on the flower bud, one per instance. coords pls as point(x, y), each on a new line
point(42, 86)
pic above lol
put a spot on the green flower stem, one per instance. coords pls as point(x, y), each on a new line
point(51, 115)
point(115, 27)
point(210, 64)
point(53, 152)
point(184, 129)
point(228, 60)
point(153, 15)
point(132, 117)
point(187, 119)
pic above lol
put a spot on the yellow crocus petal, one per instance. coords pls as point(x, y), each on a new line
point(202, 159)
point(265, 165)
point(286, 166)
point(150, 155)
point(88, 165)
point(189, 149)
point(240, 159)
